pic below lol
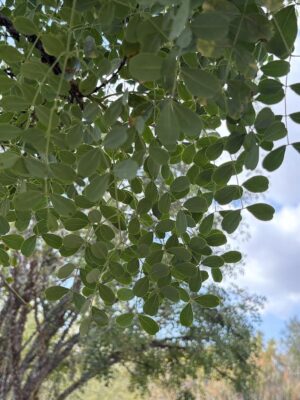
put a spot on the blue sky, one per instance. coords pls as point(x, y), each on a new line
point(272, 263)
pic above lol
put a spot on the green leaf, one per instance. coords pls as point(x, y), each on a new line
point(181, 222)
point(72, 241)
point(223, 173)
point(232, 256)
point(97, 188)
point(196, 204)
point(197, 244)
point(93, 275)
point(214, 151)
point(180, 20)
point(189, 122)
point(125, 294)
point(296, 146)
point(188, 154)
point(134, 226)
point(210, 26)
point(62, 205)
point(78, 300)
point(213, 261)
point(34, 70)
point(207, 300)
point(52, 44)
point(6, 84)
point(262, 211)
point(167, 128)
point(65, 271)
point(216, 238)
point(217, 275)
point(285, 32)
point(125, 320)
point(276, 68)
point(148, 324)
point(228, 194)
point(185, 269)
point(276, 131)
point(74, 224)
point(14, 103)
point(4, 225)
point(141, 287)
point(53, 240)
point(10, 54)
point(4, 258)
point(257, 184)
point(295, 88)
point(46, 118)
point(8, 159)
point(126, 169)
point(9, 132)
point(36, 168)
point(28, 246)
point(99, 316)
point(63, 172)
point(180, 252)
point(186, 315)
point(146, 66)
point(271, 91)
point(25, 26)
point(89, 162)
point(54, 293)
point(274, 159)
point(164, 203)
point(99, 250)
point(295, 117)
point(13, 241)
point(30, 200)
point(106, 294)
point(159, 270)
point(201, 83)
point(180, 184)
point(151, 305)
point(171, 293)
point(85, 325)
point(115, 138)
point(264, 119)
point(159, 155)
point(231, 221)
point(88, 84)
point(207, 224)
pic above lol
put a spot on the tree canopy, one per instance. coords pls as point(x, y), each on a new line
point(126, 129)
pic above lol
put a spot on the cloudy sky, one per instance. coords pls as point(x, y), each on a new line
point(272, 267)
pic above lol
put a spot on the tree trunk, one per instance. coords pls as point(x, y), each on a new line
point(26, 365)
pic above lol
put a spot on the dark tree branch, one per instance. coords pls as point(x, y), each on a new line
point(45, 57)
point(114, 75)
point(76, 385)
point(113, 359)
point(9, 73)
point(75, 93)
point(4, 21)
point(50, 362)
point(12, 290)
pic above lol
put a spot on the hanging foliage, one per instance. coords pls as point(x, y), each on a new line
point(113, 148)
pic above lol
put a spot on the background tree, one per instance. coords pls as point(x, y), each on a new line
point(42, 352)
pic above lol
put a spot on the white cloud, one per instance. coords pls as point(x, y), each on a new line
point(273, 261)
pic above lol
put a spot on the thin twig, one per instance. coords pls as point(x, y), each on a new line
point(12, 290)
